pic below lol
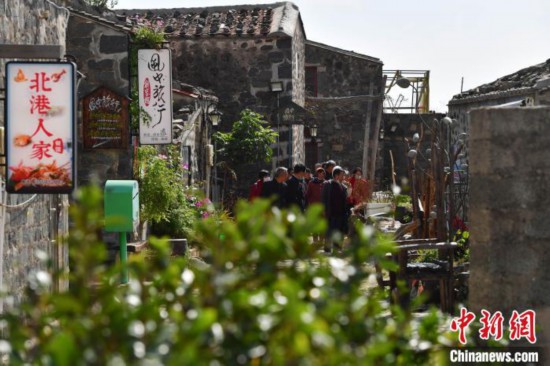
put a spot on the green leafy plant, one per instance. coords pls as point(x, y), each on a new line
point(403, 200)
point(250, 139)
point(264, 296)
point(166, 202)
point(462, 238)
point(159, 179)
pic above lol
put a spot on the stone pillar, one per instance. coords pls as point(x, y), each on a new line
point(510, 224)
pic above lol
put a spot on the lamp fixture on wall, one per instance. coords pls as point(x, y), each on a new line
point(276, 86)
point(313, 130)
point(215, 117)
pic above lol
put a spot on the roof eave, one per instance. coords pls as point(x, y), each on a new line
point(344, 52)
point(492, 96)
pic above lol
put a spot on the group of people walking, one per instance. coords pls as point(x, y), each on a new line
point(330, 185)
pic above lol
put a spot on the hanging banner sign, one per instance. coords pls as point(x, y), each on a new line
point(40, 132)
point(105, 120)
point(155, 96)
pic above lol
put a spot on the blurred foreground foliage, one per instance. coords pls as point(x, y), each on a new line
point(264, 297)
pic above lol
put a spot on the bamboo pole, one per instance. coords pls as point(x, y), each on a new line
point(372, 167)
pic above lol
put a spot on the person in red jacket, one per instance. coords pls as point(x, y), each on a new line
point(315, 186)
point(256, 187)
point(359, 188)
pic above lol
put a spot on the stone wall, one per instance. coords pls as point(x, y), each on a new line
point(31, 227)
point(461, 111)
point(101, 54)
point(346, 103)
point(342, 73)
point(341, 129)
point(510, 225)
point(238, 70)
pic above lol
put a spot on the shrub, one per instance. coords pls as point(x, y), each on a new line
point(160, 183)
point(265, 297)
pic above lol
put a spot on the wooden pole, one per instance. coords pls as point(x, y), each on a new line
point(366, 137)
point(372, 167)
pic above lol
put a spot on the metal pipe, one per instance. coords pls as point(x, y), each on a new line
point(123, 258)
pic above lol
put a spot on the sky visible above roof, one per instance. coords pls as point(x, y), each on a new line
point(478, 40)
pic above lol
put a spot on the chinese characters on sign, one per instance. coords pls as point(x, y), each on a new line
point(105, 124)
point(40, 116)
point(520, 325)
point(155, 96)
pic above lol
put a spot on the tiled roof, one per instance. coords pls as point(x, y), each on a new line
point(498, 94)
point(239, 20)
point(520, 82)
point(99, 19)
point(345, 52)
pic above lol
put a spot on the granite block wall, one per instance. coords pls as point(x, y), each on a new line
point(341, 130)
point(349, 96)
point(510, 225)
point(237, 70)
point(342, 73)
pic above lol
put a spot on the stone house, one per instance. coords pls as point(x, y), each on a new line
point(239, 51)
point(344, 94)
point(29, 225)
point(101, 48)
point(527, 87)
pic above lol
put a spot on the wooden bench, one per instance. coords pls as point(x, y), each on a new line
point(440, 270)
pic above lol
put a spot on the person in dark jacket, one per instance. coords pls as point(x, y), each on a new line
point(276, 188)
point(296, 188)
point(308, 177)
point(333, 197)
point(330, 165)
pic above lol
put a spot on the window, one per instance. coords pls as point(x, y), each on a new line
point(311, 81)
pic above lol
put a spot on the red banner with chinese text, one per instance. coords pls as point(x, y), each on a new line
point(40, 127)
